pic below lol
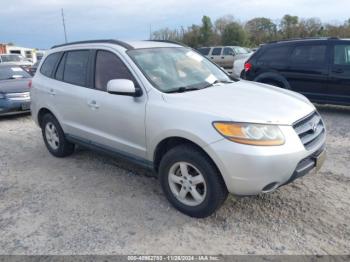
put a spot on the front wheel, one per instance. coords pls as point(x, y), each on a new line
point(191, 182)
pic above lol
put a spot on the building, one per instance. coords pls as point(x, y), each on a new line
point(31, 54)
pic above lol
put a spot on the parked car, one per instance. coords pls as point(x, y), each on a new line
point(168, 108)
point(317, 68)
point(15, 59)
point(32, 69)
point(238, 66)
point(14, 90)
point(224, 56)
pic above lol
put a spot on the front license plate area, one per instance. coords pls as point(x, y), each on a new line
point(320, 160)
point(25, 106)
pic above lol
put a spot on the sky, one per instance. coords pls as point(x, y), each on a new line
point(38, 23)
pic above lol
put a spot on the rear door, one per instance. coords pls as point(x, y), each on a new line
point(71, 92)
point(339, 80)
point(215, 55)
point(308, 70)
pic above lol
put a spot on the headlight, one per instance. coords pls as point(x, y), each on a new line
point(251, 134)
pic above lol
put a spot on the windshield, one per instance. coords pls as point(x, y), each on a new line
point(11, 58)
point(172, 68)
point(241, 50)
point(12, 72)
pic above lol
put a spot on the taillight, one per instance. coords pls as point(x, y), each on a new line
point(247, 66)
point(30, 84)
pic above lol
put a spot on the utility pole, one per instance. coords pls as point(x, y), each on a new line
point(64, 26)
point(150, 31)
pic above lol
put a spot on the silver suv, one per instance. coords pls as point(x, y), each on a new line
point(168, 108)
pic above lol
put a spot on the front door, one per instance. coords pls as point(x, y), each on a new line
point(117, 121)
point(339, 80)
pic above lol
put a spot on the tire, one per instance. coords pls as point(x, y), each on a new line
point(273, 83)
point(199, 167)
point(54, 137)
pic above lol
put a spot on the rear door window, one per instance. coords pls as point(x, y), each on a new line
point(309, 54)
point(75, 69)
point(60, 68)
point(216, 51)
point(49, 64)
point(228, 51)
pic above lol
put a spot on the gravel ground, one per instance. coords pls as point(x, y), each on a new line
point(93, 204)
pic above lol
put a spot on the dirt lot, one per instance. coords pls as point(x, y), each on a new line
point(93, 204)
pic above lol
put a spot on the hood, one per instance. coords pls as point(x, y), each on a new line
point(14, 85)
point(20, 63)
point(245, 101)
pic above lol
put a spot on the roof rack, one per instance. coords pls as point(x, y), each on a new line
point(109, 41)
point(303, 38)
point(168, 41)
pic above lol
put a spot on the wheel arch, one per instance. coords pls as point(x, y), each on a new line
point(43, 111)
point(274, 77)
point(168, 143)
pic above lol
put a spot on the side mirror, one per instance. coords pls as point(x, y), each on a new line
point(123, 87)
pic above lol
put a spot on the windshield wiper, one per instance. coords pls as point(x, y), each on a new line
point(217, 82)
point(183, 89)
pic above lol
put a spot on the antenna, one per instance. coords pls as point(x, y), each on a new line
point(64, 26)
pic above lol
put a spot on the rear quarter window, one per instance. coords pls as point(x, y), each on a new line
point(49, 64)
point(274, 55)
point(204, 50)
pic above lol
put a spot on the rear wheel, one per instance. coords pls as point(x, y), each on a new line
point(191, 182)
point(54, 137)
point(273, 82)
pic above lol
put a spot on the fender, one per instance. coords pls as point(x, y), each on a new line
point(273, 76)
point(174, 133)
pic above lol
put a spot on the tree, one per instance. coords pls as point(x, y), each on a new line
point(261, 30)
point(289, 26)
point(167, 34)
point(206, 31)
point(310, 27)
point(192, 35)
point(222, 22)
point(234, 34)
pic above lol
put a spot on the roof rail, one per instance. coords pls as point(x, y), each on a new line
point(109, 41)
point(303, 38)
point(169, 41)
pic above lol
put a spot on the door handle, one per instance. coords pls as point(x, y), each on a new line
point(338, 71)
point(52, 92)
point(222, 57)
point(212, 57)
point(93, 104)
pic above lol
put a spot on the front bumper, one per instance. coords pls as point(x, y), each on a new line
point(10, 107)
point(251, 170)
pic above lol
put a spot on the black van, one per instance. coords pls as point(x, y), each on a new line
point(319, 68)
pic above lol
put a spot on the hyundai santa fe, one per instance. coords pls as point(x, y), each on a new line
point(168, 108)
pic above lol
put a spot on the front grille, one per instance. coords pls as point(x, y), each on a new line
point(311, 130)
point(18, 96)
